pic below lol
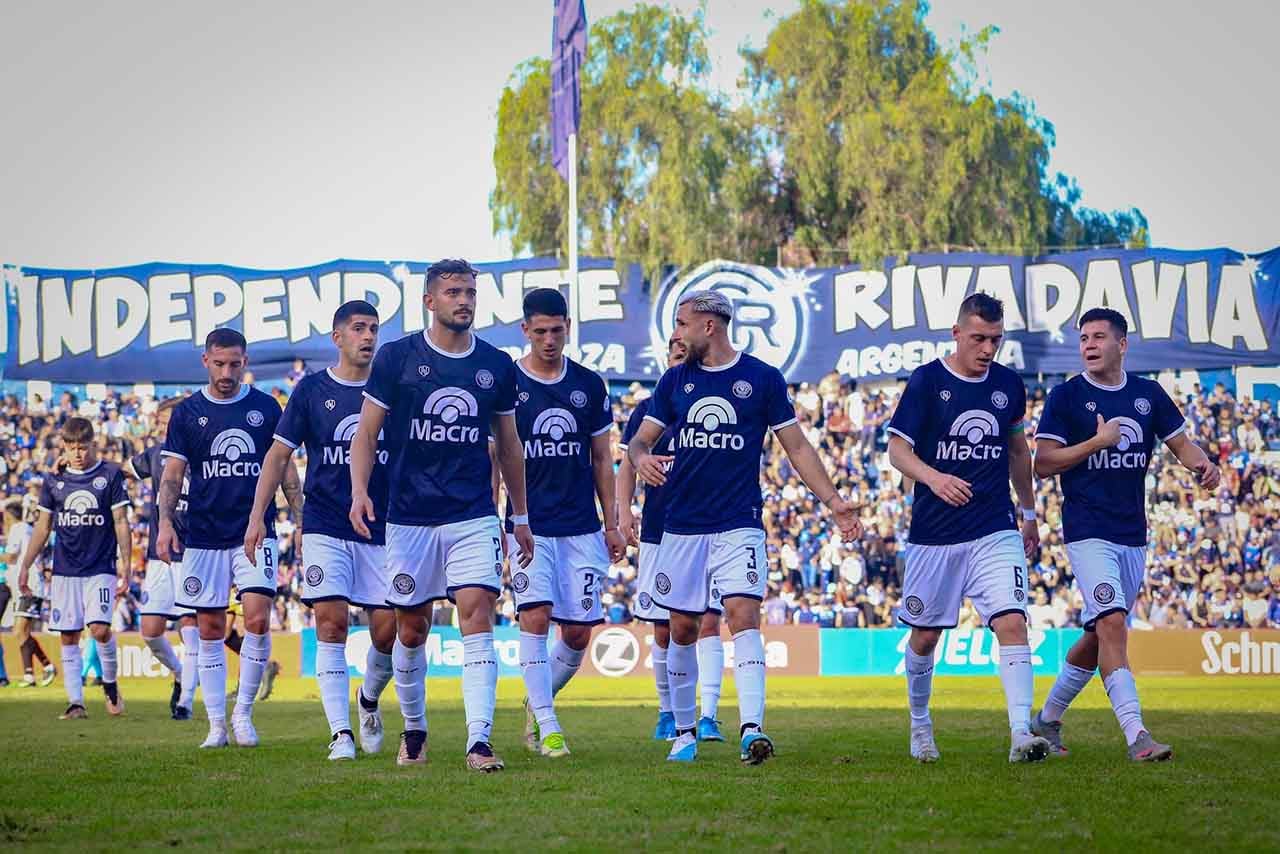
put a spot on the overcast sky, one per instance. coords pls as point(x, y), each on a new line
point(286, 133)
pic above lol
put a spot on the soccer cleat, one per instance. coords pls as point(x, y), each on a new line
point(553, 745)
point(666, 728)
point(756, 746)
point(268, 679)
point(115, 707)
point(684, 748)
point(532, 732)
point(74, 712)
point(370, 728)
point(709, 730)
point(243, 730)
point(481, 758)
point(342, 747)
point(217, 736)
point(50, 674)
point(413, 748)
point(174, 696)
point(1147, 749)
point(181, 713)
point(27, 681)
point(923, 748)
point(1028, 748)
point(1050, 731)
point(4, 682)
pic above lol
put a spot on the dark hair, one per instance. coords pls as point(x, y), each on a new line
point(448, 267)
point(224, 337)
point(167, 404)
point(1110, 315)
point(77, 429)
point(350, 309)
point(985, 306)
point(548, 301)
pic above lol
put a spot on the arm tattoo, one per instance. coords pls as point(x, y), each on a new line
point(293, 491)
point(167, 501)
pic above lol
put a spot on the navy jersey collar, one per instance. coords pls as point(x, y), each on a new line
point(564, 371)
point(340, 381)
point(427, 340)
point(962, 377)
point(1124, 380)
point(244, 392)
point(737, 357)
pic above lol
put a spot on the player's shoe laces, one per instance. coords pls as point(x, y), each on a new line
point(1026, 747)
point(756, 746)
point(181, 713)
point(370, 727)
point(554, 746)
point(1147, 749)
point(217, 736)
point(1050, 731)
point(923, 748)
point(242, 728)
point(174, 696)
point(709, 730)
point(481, 758)
point(268, 679)
point(413, 748)
point(342, 747)
point(50, 674)
point(666, 728)
point(532, 732)
point(684, 748)
point(74, 712)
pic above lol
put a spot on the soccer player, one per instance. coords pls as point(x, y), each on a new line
point(32, 591)
point(1098, 432)
point(720, 403)
point(160, 585)
point(342, 567)
point(439, 394)
point(958, 434)
point(85, 506)
point(645, 534)
point(564, 418)
point(217, 439)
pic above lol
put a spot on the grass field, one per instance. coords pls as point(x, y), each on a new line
point(841, 779)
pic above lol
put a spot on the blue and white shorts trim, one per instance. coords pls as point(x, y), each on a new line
point(79, 602)
point(1109, 576)
point(565, 573)
point(645, 607)
point(207, 575)
point(429, 562)
point(352, 571)
point(695, 572)
point(160, 591)
point(991, 571)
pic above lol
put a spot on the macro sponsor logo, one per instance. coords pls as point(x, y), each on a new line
point(1121, 457)
point(227, 451)
point(970, 430)
point(442, 409)
point(549, 431)
point(1243, 656)
point(339, 453)
point(78, 510)
point(704, 420)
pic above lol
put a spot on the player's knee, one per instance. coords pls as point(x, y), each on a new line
point(924, 641)
point(684, 629)
point(576, 637)
point(710, 625)
point(412, 630)
point(382, 631)
point(1110, 628)
point(535, 621)
point(100, 632)
point(661, 635)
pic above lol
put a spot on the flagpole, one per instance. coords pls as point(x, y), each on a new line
point(573, 244)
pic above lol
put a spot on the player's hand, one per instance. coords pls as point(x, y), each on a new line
point(1108, 432)
point(122, 584)
point(616, 544)
point(951, 489)
point(846, 516)
point(253, 537)
point(167, 543)
point(361, 509)
point(630, 526)
point(1207, 474)
point(24, 589)
point(650, 469)
point(1030, 537)
point(524, 541)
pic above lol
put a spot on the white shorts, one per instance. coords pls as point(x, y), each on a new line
point(565, 573)
point(646, 609)
point(991, 571)
point(209, 573)
point(426, 563)
point(159, 591)
point(696, 571)
point(1109, 576)
point(79, 602)
point(344, 569)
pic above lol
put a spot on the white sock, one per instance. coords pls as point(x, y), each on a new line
point(682, 671)
point(107, 655)
point(378, 671)
point(710, 673)
point(213, 679)
point(255, 651)
point(565, 661)
point(72, 662)
point(479, 685)
point(1070, 682)
point(190, 665)
point(919, 687)
point(410, 664)
point(163, 651)
point(748, 656)
point(537, 681)
point(660, 678)
point(1123, 692)
point(335, 684)
point(1019, 683)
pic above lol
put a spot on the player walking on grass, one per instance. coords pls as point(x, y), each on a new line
point(1098, 433)
point(720, 403)
point(958, 433)
point(343, 568)
point(85, 505)
point(217, 439)
point(32, 591)
point(439, 394)
point(645, 534)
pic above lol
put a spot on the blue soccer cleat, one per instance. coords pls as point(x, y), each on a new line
point(756, 747)
point(666, 728)
point(709, 730)
point(684, 749)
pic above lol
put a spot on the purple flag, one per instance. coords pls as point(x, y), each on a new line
point(568, 50)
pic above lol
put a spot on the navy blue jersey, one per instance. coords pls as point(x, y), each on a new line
point(556, 420)
point(720, 417)
point(654, 510)
point(84, 532)
point(322, 415)
point(961, 426)
point(439, 409)
point(1105, 496)
point(150, 465)
point(223, 443)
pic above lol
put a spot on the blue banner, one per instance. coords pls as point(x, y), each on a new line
point(444, 651)
point(961, 652)
point(1207, 309)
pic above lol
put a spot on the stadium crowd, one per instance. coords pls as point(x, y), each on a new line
point(1214, 559)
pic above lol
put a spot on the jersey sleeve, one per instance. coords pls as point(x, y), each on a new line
point(141, 465)
point(908, 420)
point(1053, 423)
point(633, 423)
point(661, 411)
point(601, 409)
point(780, 409)
point(505, 401)
point(1166, 416)
point(383, 377)
point(1018, 400)
point(117, 494)
point(290, 430)
point(46, 494)
point(176, 442)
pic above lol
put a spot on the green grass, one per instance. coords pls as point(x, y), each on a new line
point(842, 778)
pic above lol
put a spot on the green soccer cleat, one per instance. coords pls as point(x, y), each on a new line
point(553, 745)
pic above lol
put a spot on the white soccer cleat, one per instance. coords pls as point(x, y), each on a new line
point(1026, 747)
point(923, 748)
point(243, 730)
point(217, 737)
point(342, 747)
point(370, 729)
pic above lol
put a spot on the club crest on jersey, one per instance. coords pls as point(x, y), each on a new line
point(578, 398)
point(914, 605)
point(753, 577)
point(524, 397)
point(1091, 406)
point(703, 422)
point(254, 418)
point(314, 575)
point(192, 586)
point(945, 395)
point(1104, 594)
point(742, 389)
point(646, 601)
point(1142, 405)
point(587, 604)
point(57, 616)
point(967, 437)
point(520, 582)
point(105, 607)
point(484, 378)
point(99, 483)
point(1127, 453)
point(202, 421)
point(424, 371)
point(330, 404)
point(688, 387)
point(999, 399)
point(404, 583)
point(662, 583)
point(227, 453)
point(442, 410)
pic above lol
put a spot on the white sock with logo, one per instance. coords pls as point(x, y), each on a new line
point(335, 684)
point(378, 671)
point(1070, 682)
point(748, 657)
point(660, 678)
point(710, 673)
point(537, 681)
point(410, 664)
point(255, 652)
point(682, 671)
point(163, 651)
point(1019, 684)
point(72, 663)
point(190, 665)
point(107, 655)
point(1123, 693)
point(213, 679)
point(479, 685)
point(919, 670)
point(565, 661)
